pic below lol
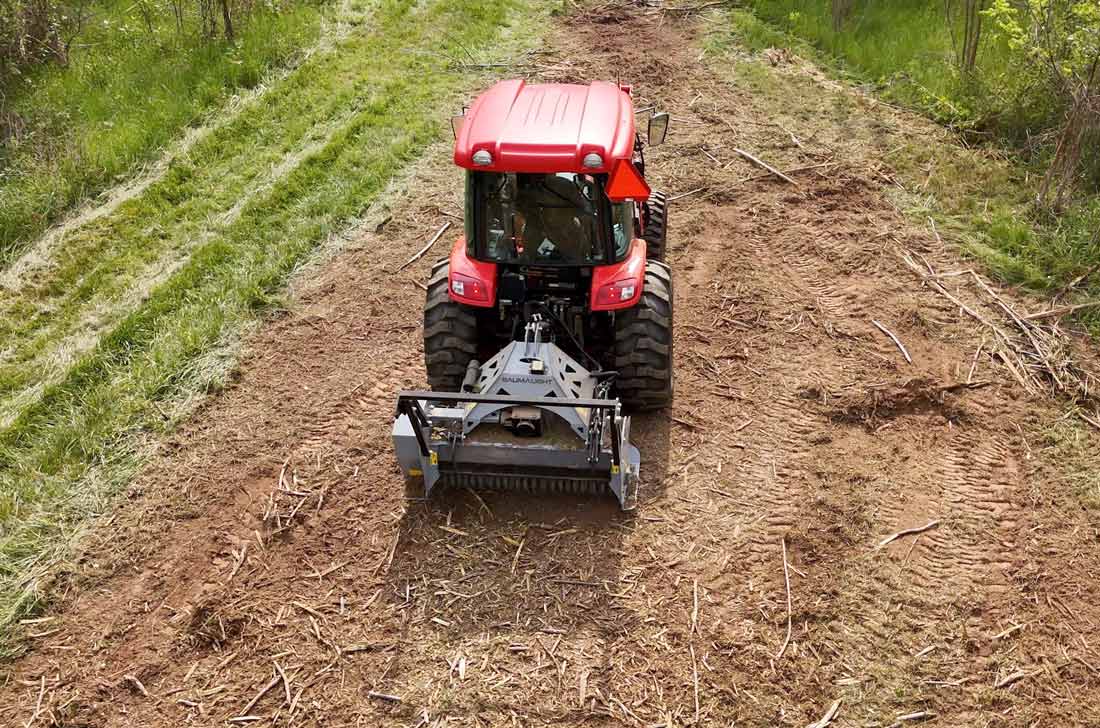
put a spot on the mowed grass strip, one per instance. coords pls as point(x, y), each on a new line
point(66, 454)
point(133, 80)
point(56, 310)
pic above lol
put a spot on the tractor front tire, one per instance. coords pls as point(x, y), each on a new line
point(643, 344)
point(450, 334)
point(656, 225)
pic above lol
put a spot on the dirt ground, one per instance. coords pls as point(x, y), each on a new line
point(272, 536)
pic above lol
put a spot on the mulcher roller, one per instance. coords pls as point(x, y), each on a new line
point(531, 419)
point(503, 482)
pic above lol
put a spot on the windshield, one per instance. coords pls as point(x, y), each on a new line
point(543, 218)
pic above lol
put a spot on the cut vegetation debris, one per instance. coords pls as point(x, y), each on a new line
point(107, 340)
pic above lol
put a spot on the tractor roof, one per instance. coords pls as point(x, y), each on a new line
point(547, 127)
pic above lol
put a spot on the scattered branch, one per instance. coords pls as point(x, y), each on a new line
point(787, 581)
point(1060, 311)
point(895, 339)
point(907, 532)
point(420, 253)
point(764, 165)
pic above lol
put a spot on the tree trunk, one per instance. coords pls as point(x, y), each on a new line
point(227, 20)
point(973, 35)
point(966, 51)
point(841, 10)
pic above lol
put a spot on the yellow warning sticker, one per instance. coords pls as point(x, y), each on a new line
point(434, 458)
point(614, 469)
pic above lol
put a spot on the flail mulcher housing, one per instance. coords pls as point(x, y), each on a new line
point(552, 316)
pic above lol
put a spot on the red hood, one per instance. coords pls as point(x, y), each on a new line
point(547, 127)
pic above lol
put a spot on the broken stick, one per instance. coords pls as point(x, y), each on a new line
point(764, 165)
point(787, 581)
point(827, 719)
point(895, 339)
point(1060, 311)
point(907, 532)
point(263, 691)
point(685, 194)
point(426, 248)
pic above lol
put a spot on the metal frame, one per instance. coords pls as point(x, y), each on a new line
point(409, 403)
point(431, 430)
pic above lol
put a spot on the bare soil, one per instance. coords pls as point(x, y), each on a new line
point(273, 533)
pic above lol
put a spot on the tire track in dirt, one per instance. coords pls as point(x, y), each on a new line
point(977, 498)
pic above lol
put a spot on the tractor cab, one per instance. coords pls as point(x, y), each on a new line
point(560, 226)
point(552, 219)
point(557, 179)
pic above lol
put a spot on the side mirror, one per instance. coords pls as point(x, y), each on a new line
point(456, 123)
point(658, 128)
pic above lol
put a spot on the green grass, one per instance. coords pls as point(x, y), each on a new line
point(981, 201)
point(906, 50)
point(340, 126)
point(127, 92)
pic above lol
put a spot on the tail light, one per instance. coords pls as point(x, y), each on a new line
point(619, 292)
point(619, 285)
point(468, 288)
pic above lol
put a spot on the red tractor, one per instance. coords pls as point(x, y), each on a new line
point(561, 223)
point(553, 313)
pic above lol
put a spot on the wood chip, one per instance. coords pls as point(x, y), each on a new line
point(1011, 630)
point(1011, 679)
point(132, 679)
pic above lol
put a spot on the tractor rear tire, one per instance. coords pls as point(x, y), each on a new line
point(450, 334)
point(656, 226)
point(643, 344)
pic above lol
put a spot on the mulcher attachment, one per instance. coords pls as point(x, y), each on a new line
point(530, 419)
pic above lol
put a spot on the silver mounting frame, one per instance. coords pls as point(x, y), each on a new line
point(431, 431)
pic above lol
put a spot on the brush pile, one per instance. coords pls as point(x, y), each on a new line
point(1039, 355)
